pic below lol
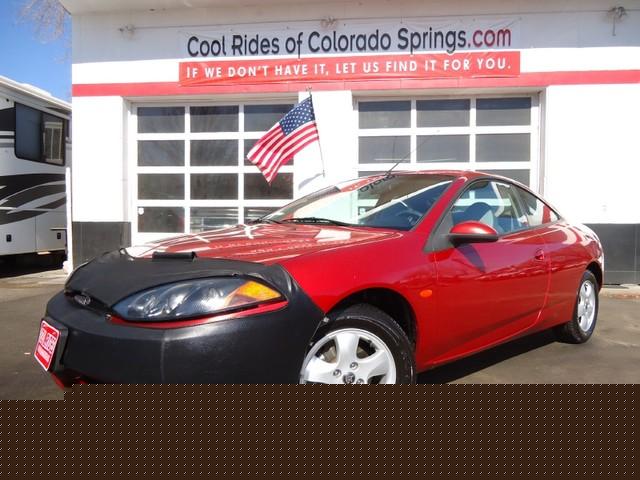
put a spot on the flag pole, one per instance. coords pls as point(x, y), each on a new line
point(324, 171)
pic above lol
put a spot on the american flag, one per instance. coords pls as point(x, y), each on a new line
point(290, 135)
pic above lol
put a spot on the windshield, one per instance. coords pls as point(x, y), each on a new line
point(394, 201)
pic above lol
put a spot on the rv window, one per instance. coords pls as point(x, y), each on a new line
point(54, 143)
point(40, 137)
point(28, 129)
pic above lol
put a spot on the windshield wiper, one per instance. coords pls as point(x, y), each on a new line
point(327, 221)
point(263, 220)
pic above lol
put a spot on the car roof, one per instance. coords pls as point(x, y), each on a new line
point(468, 174)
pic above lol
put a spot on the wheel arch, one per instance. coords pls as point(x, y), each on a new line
point(390, 302)
point(596, 269)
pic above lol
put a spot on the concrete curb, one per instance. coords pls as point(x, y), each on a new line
point(624, 292)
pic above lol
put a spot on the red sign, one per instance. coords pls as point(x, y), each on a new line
point(46, 345)
point(358, 68)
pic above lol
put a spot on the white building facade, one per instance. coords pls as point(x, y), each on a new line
point(169, 96)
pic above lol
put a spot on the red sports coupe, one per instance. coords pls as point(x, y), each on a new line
point(369, 281)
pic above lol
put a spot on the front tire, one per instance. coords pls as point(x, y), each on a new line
point(361, 345)
point(585, 313)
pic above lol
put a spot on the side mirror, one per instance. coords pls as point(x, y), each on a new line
point(472, 232)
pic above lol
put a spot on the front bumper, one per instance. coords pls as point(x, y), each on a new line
point(263, 348)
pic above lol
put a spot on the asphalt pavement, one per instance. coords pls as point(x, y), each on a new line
point(612, 355)
point(22, 301)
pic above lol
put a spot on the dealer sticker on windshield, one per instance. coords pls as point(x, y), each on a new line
point(46, 346)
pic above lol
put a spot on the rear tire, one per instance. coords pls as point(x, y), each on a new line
point(585, 313)
point(359, 345)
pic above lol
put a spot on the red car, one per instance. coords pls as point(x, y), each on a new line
point(369, 281)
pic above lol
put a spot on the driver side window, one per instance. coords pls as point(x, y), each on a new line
point(492, 203)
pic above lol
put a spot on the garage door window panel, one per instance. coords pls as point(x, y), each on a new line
point(385, 149)
point(390, 114)
point(161, 119)
point(503, 111)
point(211, 186)
point(161, 187)
point(161, 153)
point(443, 148)
point(191, 159)
point(443, 113)
point(260, 118)
point(254, 213)
point(503, 148)
point(476, 133)
point(215, 119)
point(209, 218)
point(214, 153)
point(161, 219)
point(257, 188)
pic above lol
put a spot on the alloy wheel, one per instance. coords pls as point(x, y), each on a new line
point(347, 357)
point(586, 306)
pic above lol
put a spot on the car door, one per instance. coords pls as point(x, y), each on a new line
point(487, 292)
point(566, 261)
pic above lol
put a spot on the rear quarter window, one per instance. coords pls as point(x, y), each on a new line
point(538, 212)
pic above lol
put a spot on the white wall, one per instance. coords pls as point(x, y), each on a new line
point(592, 157)
point(99, 146)
point(566, 36)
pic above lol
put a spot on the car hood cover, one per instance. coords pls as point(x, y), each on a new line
point(117, 275)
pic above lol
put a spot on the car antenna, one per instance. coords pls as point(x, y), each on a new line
point(405, 157)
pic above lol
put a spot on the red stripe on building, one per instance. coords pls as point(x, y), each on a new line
point(533, 79)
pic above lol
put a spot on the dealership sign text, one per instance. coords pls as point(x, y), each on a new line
point(352, 50)
point(418, 35)
point(356, 68)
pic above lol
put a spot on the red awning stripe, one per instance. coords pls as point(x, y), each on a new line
point(532, 79)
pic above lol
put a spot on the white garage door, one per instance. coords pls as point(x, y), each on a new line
point(494, 134)
point(190, 169)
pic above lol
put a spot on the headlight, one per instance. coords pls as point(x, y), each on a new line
point(197, 298)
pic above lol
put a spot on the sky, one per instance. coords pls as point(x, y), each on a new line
point(27, 59)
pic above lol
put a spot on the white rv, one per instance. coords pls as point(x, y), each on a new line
point(34, 154)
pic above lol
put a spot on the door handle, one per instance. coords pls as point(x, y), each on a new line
point(539, 255)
